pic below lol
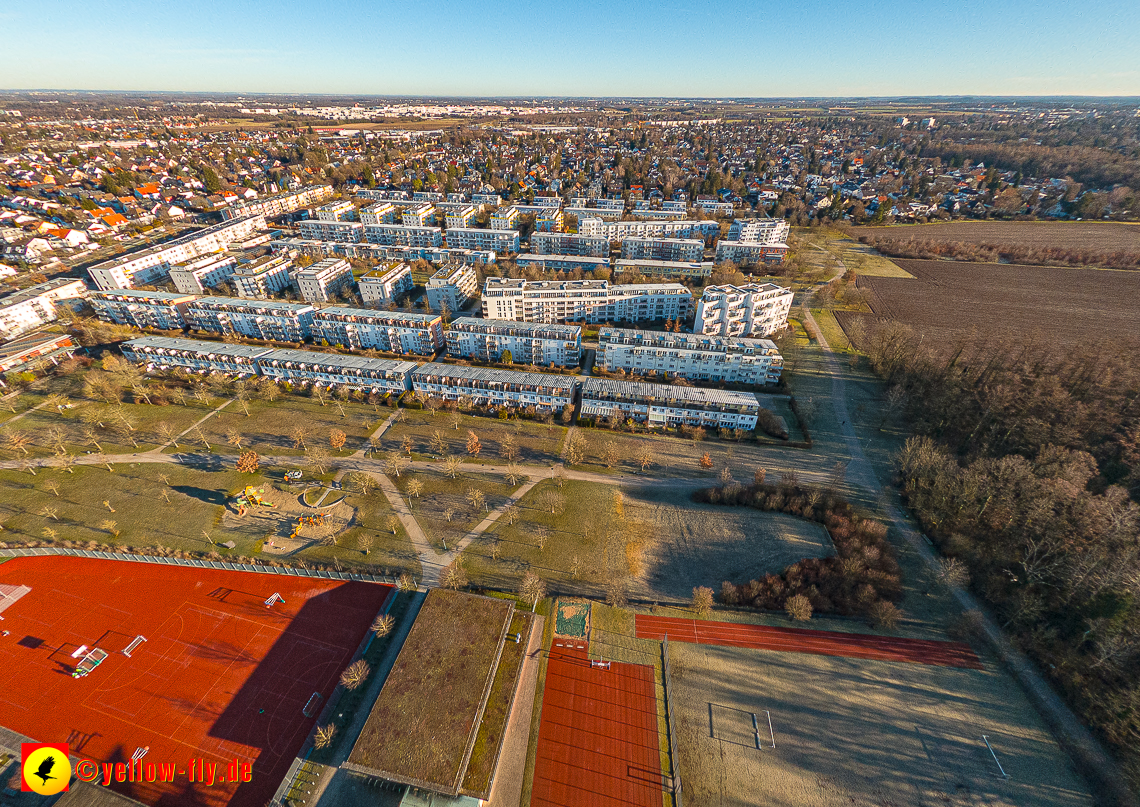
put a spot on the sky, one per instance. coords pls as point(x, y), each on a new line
point(700, 48)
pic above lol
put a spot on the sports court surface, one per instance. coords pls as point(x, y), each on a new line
point(816, 642)
point(220, 675)
point(597, 741)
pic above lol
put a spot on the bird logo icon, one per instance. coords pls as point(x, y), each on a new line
point(46, 768)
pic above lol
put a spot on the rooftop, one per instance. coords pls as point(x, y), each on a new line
point(440, 373)
point(198, 346)
point(636, 390)
point(514, 326)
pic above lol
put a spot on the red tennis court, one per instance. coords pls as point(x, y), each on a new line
point(597, 741)
point(220, 675)
point(817, 642)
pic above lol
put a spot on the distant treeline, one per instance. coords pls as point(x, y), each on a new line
point(1090, 166)
point(995, 253)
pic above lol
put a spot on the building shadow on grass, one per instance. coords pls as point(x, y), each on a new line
point(202, 494)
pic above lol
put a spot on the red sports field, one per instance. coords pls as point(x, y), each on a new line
point(817, 642)
point(219, 676)
point(597, 742)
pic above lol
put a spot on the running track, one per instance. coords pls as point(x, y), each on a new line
point(815, 642)
point(597, 742)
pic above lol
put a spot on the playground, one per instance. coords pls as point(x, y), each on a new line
point(114, 657)
point(286, 522)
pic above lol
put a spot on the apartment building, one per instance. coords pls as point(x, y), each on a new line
point(595, 213)
point(583, 301)
point(712, 207)
point(342, 210)
point(663, 249)
point(262, 277)
point(385, 283)
point(759, 231)
point(199, 274)
point(420, 215)
point(427, 196)
point(617, 230)
point(381, 252)
point(501, 241)
point(668, 405)
point(489, 387)
point(505, 218)
point(259, 319)
point(489, 199)
point(664, 268)
point(142, 309)
point(754, 309)
point(561, 263)
point(153, 264)
point(569, 244)
point(699, 357)
point(528, 343)
point(453, 285)
point(403, 236)
point(26, 310)
point(652, 213)
point(279, 204)
point(305, 367)
point(551, 220)
point(344, 232)
point(378, 213)
point(749, 253)
point(165, 353)
point(390, 331)
point(460, 217)
point(324, 279)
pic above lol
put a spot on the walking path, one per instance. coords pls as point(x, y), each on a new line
point(174, 440)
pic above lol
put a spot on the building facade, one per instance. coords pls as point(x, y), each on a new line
point(453, 285)
point(262, 277)
point(307, 367)
point(490, 387)
point(501, 241)
point(324, 279)
point(26, 310)
point(561, 263)
point(344, 232)
point(142, 309)
point(403, 236)
point(569, 244)
point(166, 353)
point(389, 331)
point(754, 309)
point(279, 204)
point(583, 301)
point(697, 357)
point(258, 319)
point(384, 284)
point(199, 274)
point(664, 268)
point(668, 405)
point(690, 250)
point(617, 230)
point(528, 343)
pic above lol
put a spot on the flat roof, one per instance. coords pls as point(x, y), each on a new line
point(346, 311)
point(352, 362)
point(143, 296)
point(439, 373)
point(570, 331)
point(684, 341)
point(40, 288)
point(683, 395)
point(199, 346)
point(242, 302)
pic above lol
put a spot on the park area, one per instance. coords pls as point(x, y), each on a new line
point(212, 672)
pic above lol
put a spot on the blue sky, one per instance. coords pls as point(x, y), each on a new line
point(613, 47)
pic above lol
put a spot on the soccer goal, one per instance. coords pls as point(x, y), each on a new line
point(311, 707)
point(138, 640)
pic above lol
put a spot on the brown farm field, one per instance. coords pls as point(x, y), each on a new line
point(1064, 234)
point(953, 301)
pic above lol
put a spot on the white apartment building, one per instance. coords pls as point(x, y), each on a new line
point(384, 284)
point(668, 405)
point(712, 207)
point(279, 204)
point(501, 241)
point(342, 210)
point(344, 232)
point(489, 387)
point(460, 217)
point(664, 268)
point(453, 284)
point(142, 309)
point(317, 283)
point(165, 353)
point(759, 231)
point(154, 264)
point(755, 309)
point(561, 263)
point(421, 215)
point(378, 213)
point(381, 252)
point(748, 253)
point(583, 301)
point(199, 274)
point(26, 310)
point(617, 230)
point(595, 213)
point(699, 357)
point(548, 201)
point(490, 199)
point(403, 236)
point(505, 218)
point(528, 343)
point(663, 249)
point(259, 319)
point(262, 277)
point(569, 244)
point(669, 215)
point(305, 367)
point(390, 331)
point(427, 196)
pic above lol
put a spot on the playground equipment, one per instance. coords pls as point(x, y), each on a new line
point(292, 476)
point(249, 498)
point(88, 663)
point(317, 520)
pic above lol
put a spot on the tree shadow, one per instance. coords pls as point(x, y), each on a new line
point(202, 494)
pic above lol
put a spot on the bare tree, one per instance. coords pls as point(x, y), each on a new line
point(406, 582)
point(798, 607)
point(451, 465)
point(575, 567)
point(702, 601)
point(355, 675)
point(169, 433)
point(364, 542)
point(514, 474)
point(383, 625)
point(645, 458)
point(551, 502)
point(362, 483)
point(300, 434)
point(415, 488)
point(396, 463)
point(511, 514)
point(50, 512)
point(52, 487)
point(476, 498)
point(456, 419)
point(235, 438)
point(337, 439)
point(317, 458)
point(392, 522)
point(17, 441)
point(406, 445)
point(575, 449)
point(473, 444)
point(324, 736)
point(108, 525)
point(438, 442)
point(532, 589)
point(509, 448)
point(449, 514)
point(454, 576)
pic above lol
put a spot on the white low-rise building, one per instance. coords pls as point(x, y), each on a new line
point(747, 253)
point(583, 301)
point(561, 263)
point(501, 241)
point(699, 357)
point(260, 319)
point(663, 249)
point(489, 387)
point(166, 353)
point(663, 268)
point(385, 283)
point(262, 277)
point(26, 310)
point(668, 405)
point(142, 309)
point(279, 204)
point(754, 309)
point(389, 331)
point(323, 280)
point(199, 274)
point(453, 285)
point(529, 343)
point(759, 231)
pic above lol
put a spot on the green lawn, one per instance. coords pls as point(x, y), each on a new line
point(831, 329)
point(536, 441)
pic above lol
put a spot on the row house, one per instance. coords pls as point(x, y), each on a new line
point(694, 356)
point(754, 309)
point(385, 284)
point(528, 343)
point(259, 319)
point(389, 331)
point(669, 405)
point(142, 309)
point(489, 387)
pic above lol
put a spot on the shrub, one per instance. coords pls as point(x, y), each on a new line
point(798, 608)
point(884, 614)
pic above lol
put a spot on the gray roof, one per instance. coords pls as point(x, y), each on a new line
point(199, 346)
point(638, 391)
point(437, 373)
point(144, 296)
point(684, 341)
point(240, 302)
point(408, 316)
point(35, 291)
point(351, 362)
point(514, 327)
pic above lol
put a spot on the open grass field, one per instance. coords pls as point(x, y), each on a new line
point(949, 300)
point(1084, 235)
point(443, 510)
point(269, 427)
point(823, 249)
point(858, 732)
point(220, 676)
point(536, 442)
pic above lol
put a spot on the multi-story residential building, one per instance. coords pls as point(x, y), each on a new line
point(381, 252)
point(501, 241)
point(344, 232)
point(490, 199)
point(759, 231)
point(262, 277)
point(595, 213)
point(164, 353)
point(390, 331)
point(343, 210)
point(324, 279)
point(712, 207)
point(427, 196)
point(259, 319)
point(460, 217)
point(382, 376)
point(756, 309)
point(26, 310)
point(699, 357)
point(748, 253)
point(422, 215)
point(669, 405)
point(505, 218)
point(142, 309)
point(404, 236)
point(378, 213)
point(528, 343)
point(489, 387)
point(663, 249)
point(651, 213)
point(548, 202)
point(549, 221)
point(664, 268)
point(279, 204)
point(453, 285)
point(617, 230)
point(675, 205)
point(583, 301)
point(36, 350)
point(197, 275)
point(561, 263)
point(569, 244)
point(154, 264)
point(385, 283)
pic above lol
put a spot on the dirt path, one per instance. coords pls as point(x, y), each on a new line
point(174, 440)
point(506, 790)
point(430, 560)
